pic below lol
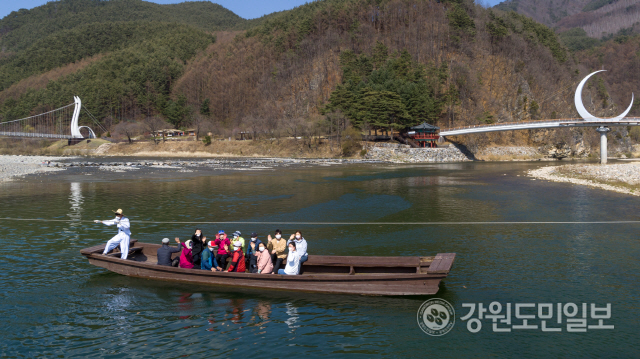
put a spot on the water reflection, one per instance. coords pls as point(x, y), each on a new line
point(292, 321)
point(76, 199)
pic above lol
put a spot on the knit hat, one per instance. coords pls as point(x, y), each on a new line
point(236, 234)
point(165, 240)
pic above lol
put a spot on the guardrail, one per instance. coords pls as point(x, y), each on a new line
point(32, 135)
point(630, 121)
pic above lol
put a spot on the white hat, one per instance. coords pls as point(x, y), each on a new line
point(165, 240)
point(189, 244)
point(237, 244)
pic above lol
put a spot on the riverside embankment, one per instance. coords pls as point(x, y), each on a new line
point(18, 166)
point(622, 178)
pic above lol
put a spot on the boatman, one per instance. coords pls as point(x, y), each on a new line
point(122, 238)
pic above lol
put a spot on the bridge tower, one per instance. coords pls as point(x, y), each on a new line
point(603, 143)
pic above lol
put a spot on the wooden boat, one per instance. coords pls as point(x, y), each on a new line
point(323, 274)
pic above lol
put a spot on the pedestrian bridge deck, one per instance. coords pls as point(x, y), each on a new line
point(531, 125)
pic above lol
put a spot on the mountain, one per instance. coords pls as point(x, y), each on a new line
point(598, 18)
point(317, 69)
point(20, 29)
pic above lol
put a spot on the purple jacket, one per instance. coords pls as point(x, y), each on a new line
point(186, 257)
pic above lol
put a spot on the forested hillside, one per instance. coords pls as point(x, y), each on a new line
point(21, 29)
point(596, 18)
point(320, 68)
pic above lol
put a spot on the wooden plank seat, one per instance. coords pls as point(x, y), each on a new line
point(364, 265)
point(132, 251)
point(341, 261)
point(100, 247)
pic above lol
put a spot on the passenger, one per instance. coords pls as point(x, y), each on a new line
point(278, 248)
point(265, 265)
point(251, 260)
point(186, 257)
point(301, 246)
point(223, 244)
point(237, 237)
point(237, 261)
point(198, 246)
point(293, 261)
point(165, 252)
point(209, 261)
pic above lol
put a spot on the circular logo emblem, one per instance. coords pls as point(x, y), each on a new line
point(436, 317)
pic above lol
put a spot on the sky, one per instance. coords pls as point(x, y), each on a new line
point(247, 9)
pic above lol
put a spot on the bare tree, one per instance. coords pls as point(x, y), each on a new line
point(153, 125)
point(128, 129)
point(201, 124)
point(255, 125)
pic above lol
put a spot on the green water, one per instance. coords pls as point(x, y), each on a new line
point(53, 303)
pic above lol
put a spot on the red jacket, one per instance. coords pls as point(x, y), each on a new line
point(237, 262)
point(220, 243)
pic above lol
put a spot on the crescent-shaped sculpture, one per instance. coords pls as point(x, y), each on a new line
point(583, 111)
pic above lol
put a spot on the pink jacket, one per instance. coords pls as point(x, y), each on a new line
point(264, 262)
point(186, 257)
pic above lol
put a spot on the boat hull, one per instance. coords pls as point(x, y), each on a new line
point(142, 265)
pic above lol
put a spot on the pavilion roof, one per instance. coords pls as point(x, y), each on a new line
point(425, 126)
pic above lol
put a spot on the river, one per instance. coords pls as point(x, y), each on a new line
point(53, 303)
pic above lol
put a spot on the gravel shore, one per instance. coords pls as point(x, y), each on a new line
point(621, 178)
point(12, 167)
point(18, 166)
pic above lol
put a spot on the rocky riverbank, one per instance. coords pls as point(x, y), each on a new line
point(405, 154)
point(18, 166)
point(621, 178)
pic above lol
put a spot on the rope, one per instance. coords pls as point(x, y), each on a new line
point(94, 119)
point(338, 223)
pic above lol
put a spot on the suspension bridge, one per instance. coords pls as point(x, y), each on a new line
point(602, 125)
point(61, 123)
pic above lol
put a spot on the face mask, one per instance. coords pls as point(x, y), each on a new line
point(278, 236)
point(297, 236)
point(261, 249)
point(197, 235)
point(254, 239)
point(291, 249)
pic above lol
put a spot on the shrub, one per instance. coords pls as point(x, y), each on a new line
point(634, 133)
point(207, 140)
point(350, 141)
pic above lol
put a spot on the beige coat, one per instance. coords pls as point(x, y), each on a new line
point(278, 247)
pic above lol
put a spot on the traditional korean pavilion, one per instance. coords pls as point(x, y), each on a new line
point(425, 134)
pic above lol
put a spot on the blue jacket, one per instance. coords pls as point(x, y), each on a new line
point(249, 251)
point(208, 260)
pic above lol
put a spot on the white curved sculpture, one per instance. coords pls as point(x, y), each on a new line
point(583, 111)
point(91, 133)
point(75, 130)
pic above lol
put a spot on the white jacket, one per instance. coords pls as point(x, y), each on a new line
point(293, 263)
point(123, 225)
